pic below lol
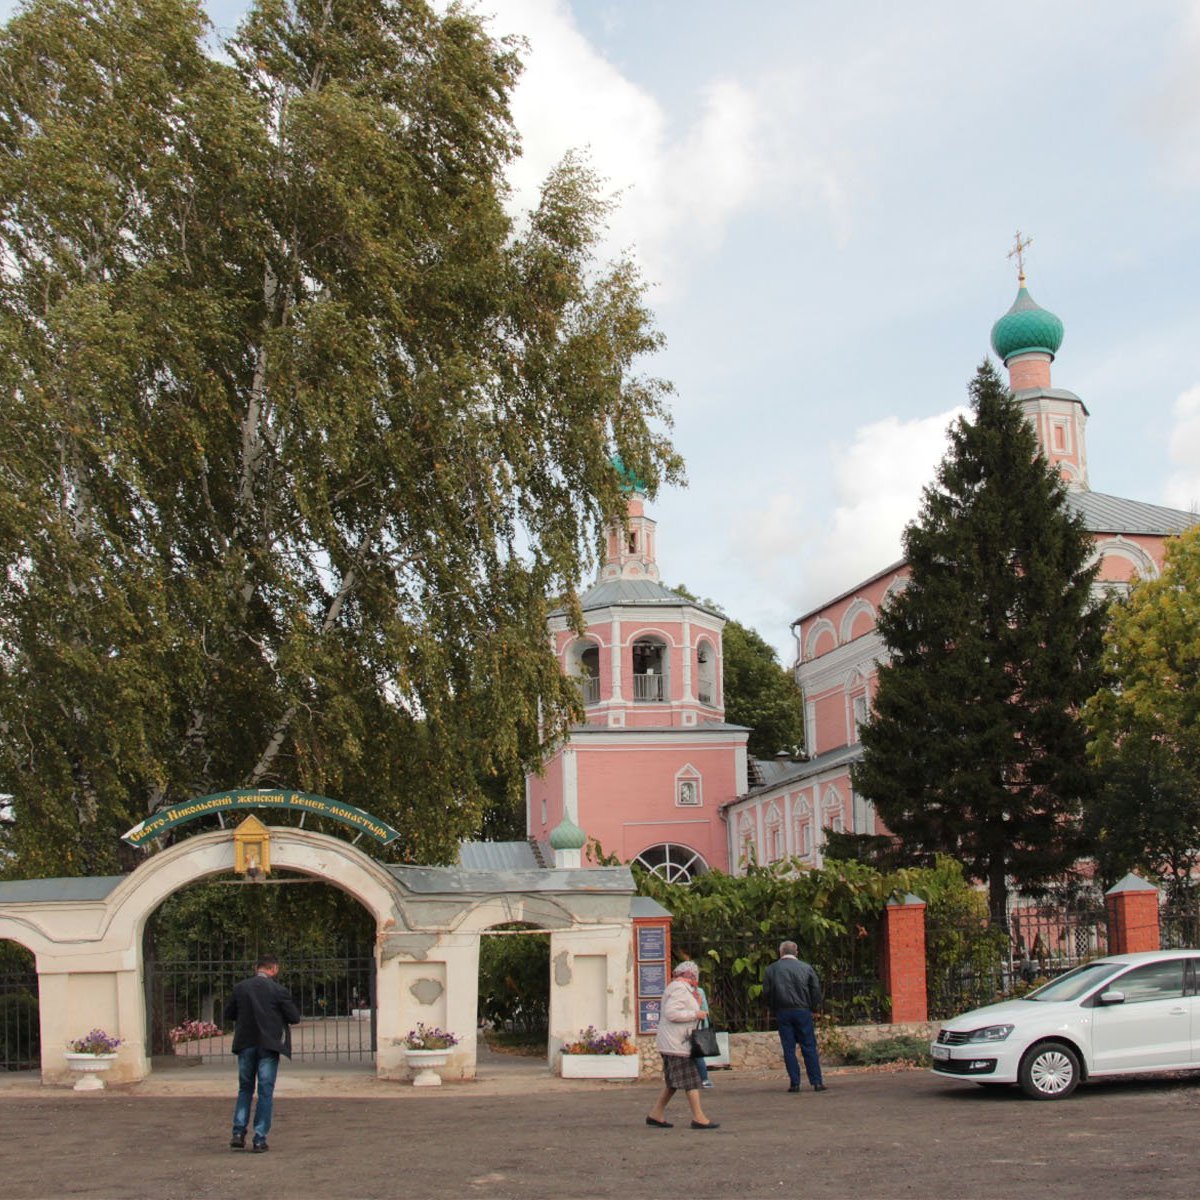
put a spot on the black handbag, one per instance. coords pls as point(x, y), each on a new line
point(704, 1043)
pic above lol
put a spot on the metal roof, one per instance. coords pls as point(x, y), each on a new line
point(614, 593)
point(1114, 514)
point(38, 891)
point(500, 856)
point(433, 880)
point(796, 772)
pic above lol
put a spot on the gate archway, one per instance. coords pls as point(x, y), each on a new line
point(87, 936)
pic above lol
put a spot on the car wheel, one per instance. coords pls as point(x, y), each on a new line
point(1049, 1071)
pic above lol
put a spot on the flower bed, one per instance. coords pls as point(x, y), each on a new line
point(193, 1031)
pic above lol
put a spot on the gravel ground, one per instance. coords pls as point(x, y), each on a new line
point(872, 1134)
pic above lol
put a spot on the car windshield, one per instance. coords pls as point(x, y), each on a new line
point(1076, 982)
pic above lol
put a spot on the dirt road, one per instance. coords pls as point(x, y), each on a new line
point(870, 1135)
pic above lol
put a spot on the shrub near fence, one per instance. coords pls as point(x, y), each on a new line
point(732, 927)
point(972, 963)
point(731, 970)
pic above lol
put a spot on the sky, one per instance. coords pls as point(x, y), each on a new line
point(823, 198)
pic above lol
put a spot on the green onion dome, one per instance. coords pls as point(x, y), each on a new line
point(629, 481)
point(1026, 329)
point(566, 835)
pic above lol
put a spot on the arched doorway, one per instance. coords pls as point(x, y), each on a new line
point(206, 937)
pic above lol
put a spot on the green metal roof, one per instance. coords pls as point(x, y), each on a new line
point(1026, 328)
point(566, 835)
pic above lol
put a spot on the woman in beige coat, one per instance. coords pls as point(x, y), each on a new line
point(681, 1013)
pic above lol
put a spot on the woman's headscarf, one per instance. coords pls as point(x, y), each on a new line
point(687, 967)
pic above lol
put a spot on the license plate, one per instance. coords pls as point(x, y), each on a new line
point(941, 1052)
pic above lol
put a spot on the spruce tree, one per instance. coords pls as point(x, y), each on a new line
point(976, 748)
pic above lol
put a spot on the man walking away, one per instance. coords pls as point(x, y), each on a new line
point(263, 1011)
point(792, 991)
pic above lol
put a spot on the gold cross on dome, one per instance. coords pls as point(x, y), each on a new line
point(1018, 252)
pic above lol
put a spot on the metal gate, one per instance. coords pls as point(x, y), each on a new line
point(20, 1030)
point(186, 992)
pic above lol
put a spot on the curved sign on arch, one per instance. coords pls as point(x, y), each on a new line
point(160, 822)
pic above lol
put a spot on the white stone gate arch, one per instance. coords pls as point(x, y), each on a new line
point(86, 936)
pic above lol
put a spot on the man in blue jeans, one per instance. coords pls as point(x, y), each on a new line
point(263, 1012)
point(792, 991)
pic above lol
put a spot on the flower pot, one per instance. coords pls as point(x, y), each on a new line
point(89, 1068)
point(422, 1064)
point(600, 1066)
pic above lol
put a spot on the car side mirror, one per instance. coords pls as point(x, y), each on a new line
point(1112, 997)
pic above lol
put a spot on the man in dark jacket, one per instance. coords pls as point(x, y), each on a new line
point(792, 991)
point(263, 1011)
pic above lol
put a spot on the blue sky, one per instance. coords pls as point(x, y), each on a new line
point(823, 197)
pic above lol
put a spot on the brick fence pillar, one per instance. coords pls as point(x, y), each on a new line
point(903, 966)
point(1132, 907)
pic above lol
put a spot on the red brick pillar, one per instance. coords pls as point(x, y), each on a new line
point(1132, 907)
point(903, 967)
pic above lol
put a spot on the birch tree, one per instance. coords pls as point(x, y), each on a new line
point(302, 428)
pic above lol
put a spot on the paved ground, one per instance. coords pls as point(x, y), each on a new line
point(872, 1134)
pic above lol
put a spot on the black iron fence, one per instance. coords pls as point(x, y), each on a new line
point(186, 990)
point(970, 962)
point(732, 965)
point(20, 1032)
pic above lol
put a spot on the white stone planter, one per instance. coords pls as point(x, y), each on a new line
point(89, 1068)
point(600, 1066)
point(422, 1064)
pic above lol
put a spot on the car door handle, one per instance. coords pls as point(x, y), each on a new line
point(1177, 1012)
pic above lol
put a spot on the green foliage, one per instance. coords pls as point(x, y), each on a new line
point(301, 428)
point(514, 983)
point(761, 694)
point(962, 945)
point(976, 748)
point(909, 1050)
point(732, 927)
point(757, 691)
point(1145, 727)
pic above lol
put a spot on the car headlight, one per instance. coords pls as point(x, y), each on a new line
point(990, 1033)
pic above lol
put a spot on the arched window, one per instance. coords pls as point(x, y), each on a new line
point(802, 828)
point(583, 663)
point(747, 856)
point(833, 812)
point(649, 670)
point(675, 864)
point(775, 846)
point(706, 673)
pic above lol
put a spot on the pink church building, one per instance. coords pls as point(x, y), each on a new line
point(647, 774)
point(838, 649)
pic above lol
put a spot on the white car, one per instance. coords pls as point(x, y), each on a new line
point(1125, 1014)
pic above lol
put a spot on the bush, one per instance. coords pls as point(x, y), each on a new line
point(904, 1049)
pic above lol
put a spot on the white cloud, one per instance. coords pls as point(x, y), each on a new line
point(742, 146)
point(876, 490)
point(1182, 489)
point(1172, 118)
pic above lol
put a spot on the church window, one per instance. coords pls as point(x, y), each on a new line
point(674, 863)
point(706, 673)
point(860, 715)
point(649, 670)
